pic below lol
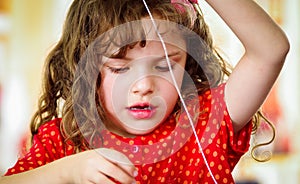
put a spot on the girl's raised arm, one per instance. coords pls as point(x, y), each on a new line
point(266, 47)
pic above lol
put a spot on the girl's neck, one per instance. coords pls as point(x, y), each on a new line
point(116, 130)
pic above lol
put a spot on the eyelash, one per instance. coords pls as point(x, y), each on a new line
point(124, 69)
point(118, 70)
point(164, 68)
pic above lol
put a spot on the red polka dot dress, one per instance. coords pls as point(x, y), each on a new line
point(171, 153)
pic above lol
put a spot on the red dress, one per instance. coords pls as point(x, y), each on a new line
point(170, 154)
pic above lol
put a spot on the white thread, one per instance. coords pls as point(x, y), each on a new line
point(178, 91)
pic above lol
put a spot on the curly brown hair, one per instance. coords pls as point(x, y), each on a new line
point(85, 22)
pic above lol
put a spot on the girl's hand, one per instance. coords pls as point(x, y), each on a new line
point(98, 166)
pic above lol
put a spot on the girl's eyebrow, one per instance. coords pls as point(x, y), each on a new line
point(176, 54)
point(126, 59)
point(171, 54)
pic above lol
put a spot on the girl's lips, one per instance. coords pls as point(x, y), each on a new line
point(141, 110)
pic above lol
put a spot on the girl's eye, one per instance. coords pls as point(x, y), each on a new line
point(118, 70)
point(164, 68)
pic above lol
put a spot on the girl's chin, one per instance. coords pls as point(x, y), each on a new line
point(136, 129)
point(130, 132)
point(134, 132)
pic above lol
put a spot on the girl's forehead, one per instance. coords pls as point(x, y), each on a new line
point(156, 32)
point(153, 50)
point(152, 27)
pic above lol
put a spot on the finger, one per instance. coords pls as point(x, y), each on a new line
point(92, 174)
point(110, 170)
point(100, 178)
point(119, 159)
point(118, 166)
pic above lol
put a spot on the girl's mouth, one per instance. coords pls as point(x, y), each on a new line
point(141, 110)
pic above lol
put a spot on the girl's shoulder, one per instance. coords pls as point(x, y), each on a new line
point(50, 128)
point(47, 145)
point(212, 97)
point(51, 136)
point(214, 92)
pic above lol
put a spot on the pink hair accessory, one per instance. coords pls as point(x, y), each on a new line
point(189, 5)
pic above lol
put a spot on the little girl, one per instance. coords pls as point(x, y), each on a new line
point(144, 94)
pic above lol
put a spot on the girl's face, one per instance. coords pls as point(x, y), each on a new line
point(137, 90)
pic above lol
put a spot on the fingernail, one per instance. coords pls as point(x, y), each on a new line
point(134, 182)
point(135, 173)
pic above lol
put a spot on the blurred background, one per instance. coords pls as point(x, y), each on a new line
point(29, 29)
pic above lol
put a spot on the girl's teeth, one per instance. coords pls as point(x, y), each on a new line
point(139, 108)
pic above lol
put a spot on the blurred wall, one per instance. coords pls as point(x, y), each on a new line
point(31, 29)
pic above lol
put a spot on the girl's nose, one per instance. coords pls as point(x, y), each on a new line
point(144, 86)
